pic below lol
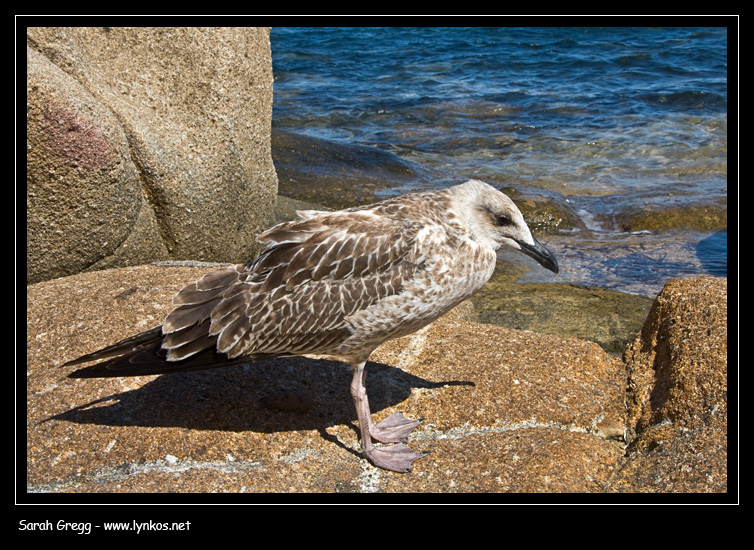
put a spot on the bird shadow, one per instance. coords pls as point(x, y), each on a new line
point(277, 395)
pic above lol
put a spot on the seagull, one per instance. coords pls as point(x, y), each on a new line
point(338, 284)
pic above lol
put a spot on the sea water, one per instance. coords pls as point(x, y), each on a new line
point(604, 119)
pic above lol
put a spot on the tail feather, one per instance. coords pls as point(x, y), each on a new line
point(130, 344)
point(149, 361)
point(143, 355)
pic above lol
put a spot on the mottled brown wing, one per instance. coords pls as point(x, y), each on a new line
point(297, 295)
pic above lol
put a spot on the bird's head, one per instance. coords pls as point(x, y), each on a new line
point(495, 221)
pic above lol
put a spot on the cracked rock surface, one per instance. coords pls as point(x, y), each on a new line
point(504, 410)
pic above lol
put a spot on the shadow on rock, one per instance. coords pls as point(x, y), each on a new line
point(277, 395)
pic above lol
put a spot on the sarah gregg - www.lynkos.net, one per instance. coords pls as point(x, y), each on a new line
point(86, 527)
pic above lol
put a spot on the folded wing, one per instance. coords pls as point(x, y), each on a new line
point(295, 298)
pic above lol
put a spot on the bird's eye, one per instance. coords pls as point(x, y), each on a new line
point(502, 220)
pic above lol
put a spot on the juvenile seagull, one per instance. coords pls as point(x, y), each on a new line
point(336, 283)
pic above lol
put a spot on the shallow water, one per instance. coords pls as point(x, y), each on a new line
point(607, 119)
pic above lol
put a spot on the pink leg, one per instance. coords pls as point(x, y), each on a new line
point(395, 427)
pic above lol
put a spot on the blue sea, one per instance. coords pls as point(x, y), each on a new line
point(604, 119)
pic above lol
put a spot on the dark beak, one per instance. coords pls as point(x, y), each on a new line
point(541, 254)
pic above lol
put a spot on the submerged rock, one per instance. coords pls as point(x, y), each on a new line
point(700, 216)
point(608, 317)
point(339, 175)
point(545, 214)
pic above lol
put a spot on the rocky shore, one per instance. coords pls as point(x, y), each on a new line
point(160, 159)
point(505, 410)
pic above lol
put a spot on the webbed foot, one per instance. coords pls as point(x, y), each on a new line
point(393, 429)
point(397, 458)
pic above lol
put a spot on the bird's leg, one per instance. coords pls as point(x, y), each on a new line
point(397, 458)
point(394, 429)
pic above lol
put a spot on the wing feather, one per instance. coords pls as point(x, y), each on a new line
point(313, 279)
point(296, 297)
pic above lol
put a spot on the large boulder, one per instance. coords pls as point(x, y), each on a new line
point(146, 143)
point(677, 394)
point(504, 410)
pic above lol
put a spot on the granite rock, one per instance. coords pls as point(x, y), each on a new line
point(146, 143)
point(677, 396)
point(504, 410)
